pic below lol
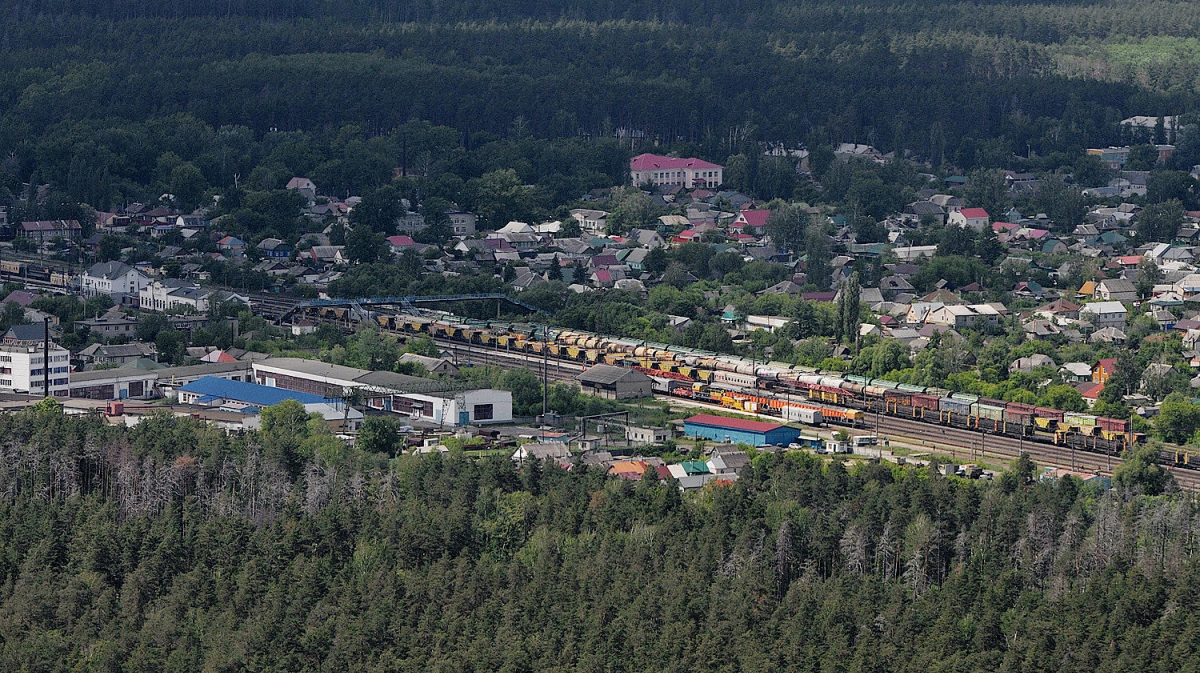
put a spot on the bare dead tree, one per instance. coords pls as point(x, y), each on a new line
point(885, 553)
point(783, 559)
point(921, 543)
point(1109, 535)
point(855, 548)
point(319, 487)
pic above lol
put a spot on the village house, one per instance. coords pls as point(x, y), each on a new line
point(591, 221)
point(1103, 370)
point(614, 382)
point(328, 255)
point(1076, 371)
point(108, 326)
point(1104, 314)
point(1116, 289)
point(975, 218)
point(41, 231)
point(1026, 365)
point(172, 294)
point(273, 248)
point(542, 451)
point(752, 222)
point(462, 222)
point(118, 354)
point(1060, 308)
point(304, 187)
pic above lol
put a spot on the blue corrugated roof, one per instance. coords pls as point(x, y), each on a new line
point(251, 393)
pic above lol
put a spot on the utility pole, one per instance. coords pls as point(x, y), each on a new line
point(545, 373)
point(46, 355)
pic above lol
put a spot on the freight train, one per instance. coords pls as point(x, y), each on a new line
point(792, 392)
point(15, 270)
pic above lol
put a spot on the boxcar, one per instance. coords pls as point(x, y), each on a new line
point(954, 406)
point(925, 401)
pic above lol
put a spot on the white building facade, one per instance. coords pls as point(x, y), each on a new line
point(462, 222)
point(470, 407)
point(113, 279)
point(22, 369)
point(1104, 314)
point(662, 171)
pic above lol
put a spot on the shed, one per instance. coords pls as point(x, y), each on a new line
point(431, 365)
point(755, 433)
point(615, 383)
point(543, 451)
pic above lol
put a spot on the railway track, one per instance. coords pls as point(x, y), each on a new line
point(974, 445)
point(32, 283)
point(559, 371)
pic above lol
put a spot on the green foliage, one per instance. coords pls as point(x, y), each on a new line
point(422, 345)
point(1140, 470)
point(365, 246)
point(988, 189)
point(817, 254)
point(378, 211)
point(285, 427)
point(1142, 158)
point(1160, 221)
point(881, 359)
point(1062, 202)
point(526, 389)
point(203, 553)
point(848, 309)
point(1178, 419)
point(954, 268)
point(499, 197)
point(13, 314)
point(630, 209)
point(1062, 397)
point(380, 434)
point(786, 225)
point(1149, 275)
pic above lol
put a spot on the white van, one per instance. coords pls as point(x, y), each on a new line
point(865, 440)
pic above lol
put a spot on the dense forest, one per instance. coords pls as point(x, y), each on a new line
point(107, 101)
point(171, 547)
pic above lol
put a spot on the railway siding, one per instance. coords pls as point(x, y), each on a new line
point(768, 388)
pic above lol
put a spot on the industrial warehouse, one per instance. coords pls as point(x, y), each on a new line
point(738, 430)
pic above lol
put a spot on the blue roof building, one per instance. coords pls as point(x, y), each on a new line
point(213, 391)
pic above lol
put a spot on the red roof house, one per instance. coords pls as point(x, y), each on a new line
point(1103, 370)
point(753, 220)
